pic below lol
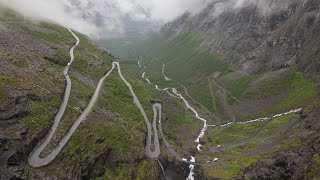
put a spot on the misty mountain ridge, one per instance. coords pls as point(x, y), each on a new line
point(276, 38)
point(231, 89)
point(243, 60)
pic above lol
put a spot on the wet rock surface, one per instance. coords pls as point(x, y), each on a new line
point(174, 169)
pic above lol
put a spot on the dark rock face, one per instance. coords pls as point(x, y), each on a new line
point(255, 41)
point(94, 168)
point(277, 38)
point(287, 165)
point(95, 63)
point(20, 108)
point(174, 169)
point(14, 146)
point(295, 163)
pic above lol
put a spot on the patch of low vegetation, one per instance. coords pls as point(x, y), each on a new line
point(275, 125)
point(229, 169)
point(234, 54)
point(177, 118)
point(61, 39)
point(217, 108)
point(41, 111)
point(233, 133)
point(143, 168)
point(302, 92)
point(117, 97)
point(277, 85)
point(283, 92)
point(185, 58)
point(115, 137)
point(201, 92)
point(125, 171)
point(41, 115)
point(314, 173)
point(237, 87)
point(3, 95)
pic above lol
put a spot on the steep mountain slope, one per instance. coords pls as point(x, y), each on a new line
point(109, 144)
point(252, 48)
point(235, 65)
point(238, 89)
point(275, 39)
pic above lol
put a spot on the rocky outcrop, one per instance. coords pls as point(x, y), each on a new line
point(174, 169)
point(292, 164)
point(255, 40)
point(296, 163)
point(248, 36)
point(15, 147)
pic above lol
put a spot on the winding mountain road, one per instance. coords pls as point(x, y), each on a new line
point(34, 158)
point(166, 143)
point(148, 152)
point(250, 139)
point(293, 122)
point(174, 93)
point(36, 161)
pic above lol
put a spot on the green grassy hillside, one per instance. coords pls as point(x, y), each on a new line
point(231, 93)
point(115, 129)
point(206, 76)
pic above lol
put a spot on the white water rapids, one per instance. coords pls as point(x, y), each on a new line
point(174, 93)
point(36, 161)
point(179, 96)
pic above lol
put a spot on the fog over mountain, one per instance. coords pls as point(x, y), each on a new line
point(104, 17)
point(107, 18)
point(160, 89)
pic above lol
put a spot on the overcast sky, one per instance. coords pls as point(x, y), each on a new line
point(108, 18)
point(98, 18)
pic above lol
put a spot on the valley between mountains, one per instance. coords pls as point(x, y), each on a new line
point(234, 96)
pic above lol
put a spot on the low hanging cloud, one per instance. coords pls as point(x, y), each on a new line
point(265, 7)
point(103, 18)
point(106, 18)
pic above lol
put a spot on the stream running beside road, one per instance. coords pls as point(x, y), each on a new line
point(173, 92)
point(36, 160)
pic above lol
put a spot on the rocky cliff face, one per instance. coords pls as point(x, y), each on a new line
point(16, 97)
point(252, 35)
